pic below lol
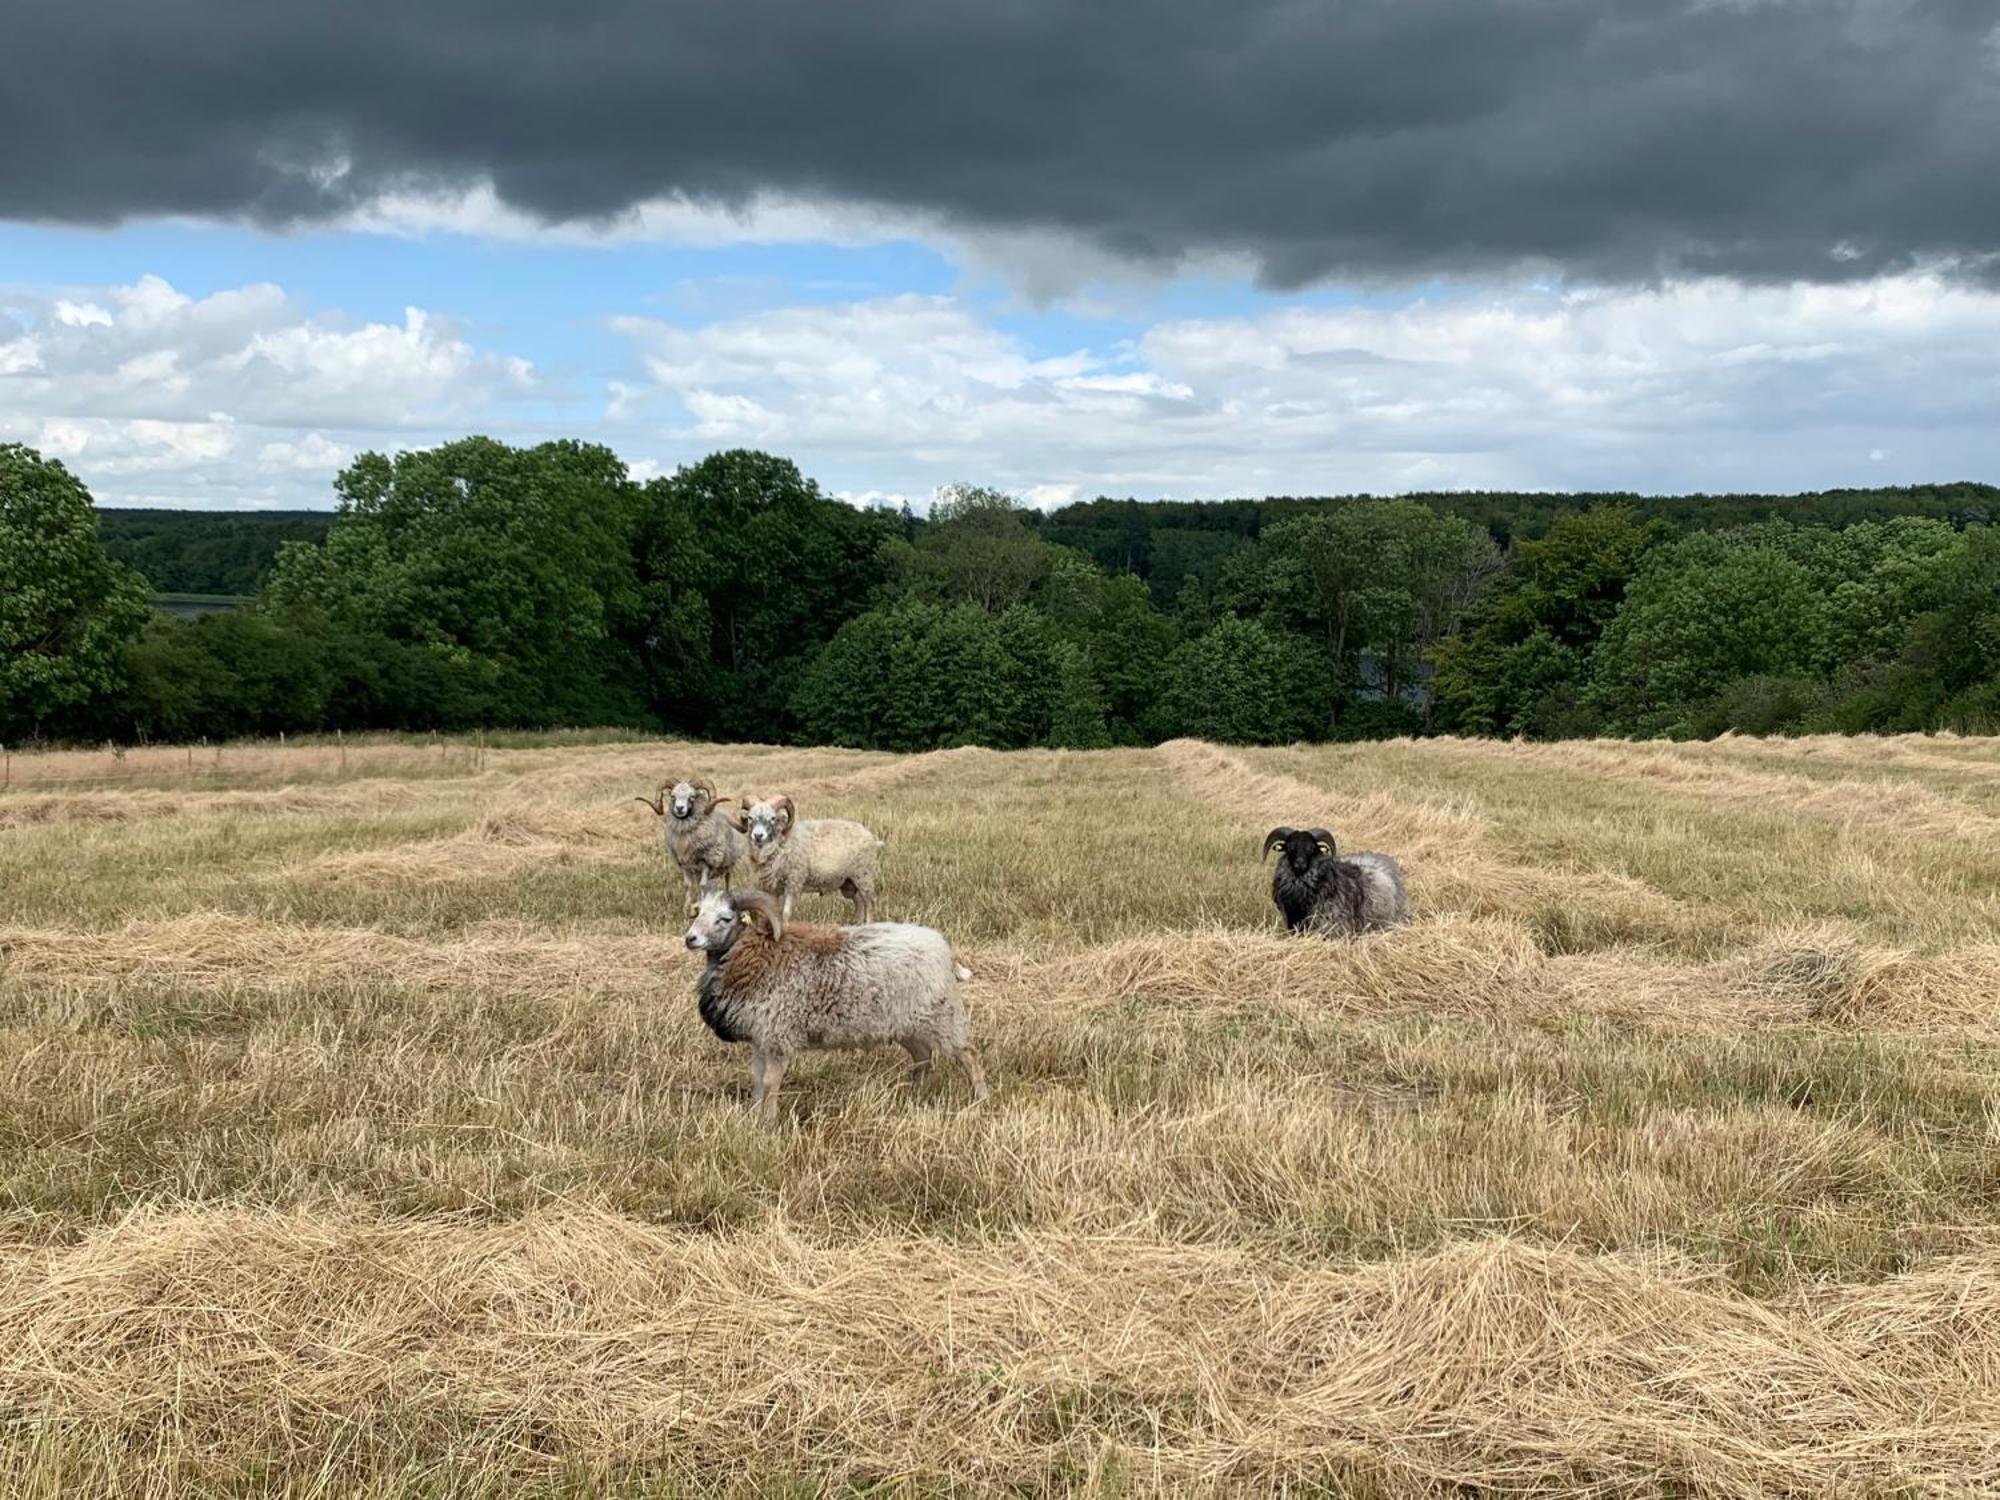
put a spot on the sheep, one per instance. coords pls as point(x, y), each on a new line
point(1321, 891)
point(703, 843)
point(790, 859)
point(789, 989)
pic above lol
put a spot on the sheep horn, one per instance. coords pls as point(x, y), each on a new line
point(1275, 839)
point(703, 785)
point(757, 904)
point(742, 818)
point(656, 802)
point(784, 806)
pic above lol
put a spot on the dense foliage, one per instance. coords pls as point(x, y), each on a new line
point(478, 584)
point(66, 610)
point(202, 552)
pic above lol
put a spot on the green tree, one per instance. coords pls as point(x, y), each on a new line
point(977, 548)
point(1947, 674)
point(238, 672)
point(675, 622)
point(780, 568)
point(67, 612)
point(514, 563)
point(1246, 684)
point(1518, 665)
point(1698, 614)
point(1121, 641)
point(1385, 579)
point(917, 675)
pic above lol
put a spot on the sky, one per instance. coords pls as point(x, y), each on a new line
point(1186, 248)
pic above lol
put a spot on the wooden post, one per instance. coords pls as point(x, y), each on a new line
point(341, 740)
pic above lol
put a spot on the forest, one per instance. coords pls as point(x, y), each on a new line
point(479, 584)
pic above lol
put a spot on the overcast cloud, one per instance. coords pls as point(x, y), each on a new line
point(1615, 140)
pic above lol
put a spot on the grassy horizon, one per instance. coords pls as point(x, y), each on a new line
point(358, 1136)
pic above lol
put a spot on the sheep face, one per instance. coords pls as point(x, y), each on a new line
point(766, 822)
point(1300, 848)
point(717, 924)
point(724, 916)
point(688, 800)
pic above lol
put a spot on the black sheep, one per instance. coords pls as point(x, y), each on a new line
point(1317, 890)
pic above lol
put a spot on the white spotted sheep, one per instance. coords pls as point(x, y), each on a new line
point(786, 989)
point(702, 841)
point(789, 859)
point(1319, 890)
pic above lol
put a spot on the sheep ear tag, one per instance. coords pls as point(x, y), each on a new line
point(1324, 849)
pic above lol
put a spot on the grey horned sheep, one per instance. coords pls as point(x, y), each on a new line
point(789, 859)
point(701, 840)
point(1319, 890)
point(786, 989)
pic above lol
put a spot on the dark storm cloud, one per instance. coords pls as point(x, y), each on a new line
point(1393, 138)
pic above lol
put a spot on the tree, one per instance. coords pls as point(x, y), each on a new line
point(780, 568)
point(1122, 643)
point(977, 548)
point(238, 672)
point(1245, 684)
point(1698, 614)
point(1381, 578)
point(1518, 665)
point(917, 675)
point(516, 562)
point(67, 611)
point(675, 622)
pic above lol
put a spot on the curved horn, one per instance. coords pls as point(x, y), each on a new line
point(785, 813)
point(1325, 836)
point(703, 785)
point(657, 802)
point(1275, 839)
point(757, 904)
point(742, 818)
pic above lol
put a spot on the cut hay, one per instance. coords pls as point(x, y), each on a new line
point(1442, 846)
point(219, 949)
point(362, 1137)
point(593, 1340)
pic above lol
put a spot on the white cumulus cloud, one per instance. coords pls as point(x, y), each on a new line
point(240, 397)
point(1706, 384)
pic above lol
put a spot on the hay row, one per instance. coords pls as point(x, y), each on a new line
point(1492, 1364)
point(1483, 966)
point(1874, 799)
point(1442, 846)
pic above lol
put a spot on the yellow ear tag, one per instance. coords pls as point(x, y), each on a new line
point(1324, 849)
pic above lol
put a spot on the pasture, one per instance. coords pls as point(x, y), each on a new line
point(358, 1136)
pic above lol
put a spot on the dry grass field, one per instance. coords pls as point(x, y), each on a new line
point(358, 1136)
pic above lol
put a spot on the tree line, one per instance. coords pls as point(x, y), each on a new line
point(483, 585)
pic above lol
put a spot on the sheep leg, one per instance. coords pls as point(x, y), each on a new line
point(757, 1078)
point(920, 1065)
point(785, 912)
point(862, 899)
point(774, 1075)
point(688, 892)
point(969, 1060)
